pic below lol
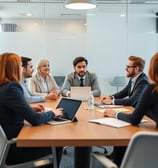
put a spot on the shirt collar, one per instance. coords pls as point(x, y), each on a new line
point(83, 77)
point(24, 80)
point(136, 77)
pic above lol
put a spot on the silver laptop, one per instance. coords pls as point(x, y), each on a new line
point(80, 93)
point(70, 108)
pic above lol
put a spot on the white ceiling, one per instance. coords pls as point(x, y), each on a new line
point(53, 8)
point(98, 1)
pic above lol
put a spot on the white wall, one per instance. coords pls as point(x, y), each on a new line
point(107, 42)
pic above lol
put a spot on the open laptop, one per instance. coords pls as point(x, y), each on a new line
point(80, 93)
point(70, 108)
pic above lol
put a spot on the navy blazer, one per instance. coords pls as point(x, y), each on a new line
point(128, 98)
point(148, 105)
point(14, 110)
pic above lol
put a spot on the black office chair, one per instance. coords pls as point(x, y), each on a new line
point(4, 148)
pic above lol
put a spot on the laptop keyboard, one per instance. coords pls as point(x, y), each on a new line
point(60, 119)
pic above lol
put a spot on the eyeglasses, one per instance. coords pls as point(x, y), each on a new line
point(130, 66)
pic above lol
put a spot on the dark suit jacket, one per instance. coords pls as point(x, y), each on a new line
point(14, 110)
point(148, 105)
point(128, 98)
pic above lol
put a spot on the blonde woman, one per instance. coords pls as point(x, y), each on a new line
point(42, 82)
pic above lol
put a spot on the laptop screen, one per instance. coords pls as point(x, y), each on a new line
point(70, 107)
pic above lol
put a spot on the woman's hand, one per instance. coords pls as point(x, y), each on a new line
point(58, 112)
point(38, 107)
point(52, 95)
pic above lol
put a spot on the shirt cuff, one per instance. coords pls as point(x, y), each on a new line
point(116, 114)
point(68, 94)
point(113, 101)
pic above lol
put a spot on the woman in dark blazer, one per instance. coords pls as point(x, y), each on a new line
point(148, 105)
point(14, 110)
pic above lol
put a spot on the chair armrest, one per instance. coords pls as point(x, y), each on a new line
point(104, 161)
point(12, 141)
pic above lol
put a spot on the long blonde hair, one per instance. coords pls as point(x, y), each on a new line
point(10, 68)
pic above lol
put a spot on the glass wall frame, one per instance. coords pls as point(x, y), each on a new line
point(106, 36)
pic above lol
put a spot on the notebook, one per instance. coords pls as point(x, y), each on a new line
point(80, 93)
point(70, 108)
point(101, 105)
point(113, 122)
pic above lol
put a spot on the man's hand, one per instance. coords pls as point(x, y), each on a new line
point(106, 99)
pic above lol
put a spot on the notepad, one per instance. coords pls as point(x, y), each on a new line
point(115, 109)
point(113, 122)
point(101, 105)
point(47, 109)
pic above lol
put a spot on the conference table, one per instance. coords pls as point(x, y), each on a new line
point(80, 133)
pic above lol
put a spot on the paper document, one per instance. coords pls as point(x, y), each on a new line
point(47, 109)
point(113, 122)
point(98, 104)
point(115, 109)
point(109, 106)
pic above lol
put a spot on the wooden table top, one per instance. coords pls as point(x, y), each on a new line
point(81, 133)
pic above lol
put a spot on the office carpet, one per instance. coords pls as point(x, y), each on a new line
point(68, 158)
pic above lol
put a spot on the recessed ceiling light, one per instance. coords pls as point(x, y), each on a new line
point(25, 14)
point(122, 15)
point(28, 14)
point(80, 4)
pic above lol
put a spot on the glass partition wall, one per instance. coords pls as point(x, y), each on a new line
point(106, 36)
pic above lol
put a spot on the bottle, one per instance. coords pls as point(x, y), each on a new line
point(91, 101)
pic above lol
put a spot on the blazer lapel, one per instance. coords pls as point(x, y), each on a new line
point(129, 88)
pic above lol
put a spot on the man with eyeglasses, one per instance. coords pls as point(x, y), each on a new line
point(130, 95)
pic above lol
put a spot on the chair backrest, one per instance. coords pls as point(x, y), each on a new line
point(119, 81)
point(4, 148)
point(59, 80)
point(142, 151)
point(3, 145)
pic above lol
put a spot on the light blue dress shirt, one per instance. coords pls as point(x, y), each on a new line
point(30, 98)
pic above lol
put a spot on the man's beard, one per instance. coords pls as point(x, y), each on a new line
point(81, 74)
point(129, 75)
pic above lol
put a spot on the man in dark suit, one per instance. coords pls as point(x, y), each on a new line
point(131, 94)
point(128, 96)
